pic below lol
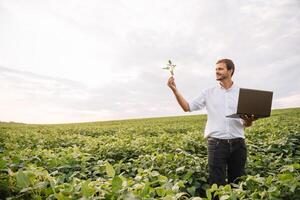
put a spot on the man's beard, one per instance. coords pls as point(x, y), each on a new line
point(221, 77)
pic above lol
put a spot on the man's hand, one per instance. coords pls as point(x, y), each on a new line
point(171, 83)
point(247, 120)
point(182, 102)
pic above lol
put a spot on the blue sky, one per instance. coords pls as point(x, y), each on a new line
point(73, 61)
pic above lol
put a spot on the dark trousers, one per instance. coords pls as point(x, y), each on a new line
point(226, 157)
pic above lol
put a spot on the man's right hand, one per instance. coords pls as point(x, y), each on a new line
point(182, 102)
point(171, 83)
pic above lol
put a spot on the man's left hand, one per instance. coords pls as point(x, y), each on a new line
point(247, 120)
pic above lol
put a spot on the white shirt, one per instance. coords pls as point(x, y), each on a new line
point(220, 102)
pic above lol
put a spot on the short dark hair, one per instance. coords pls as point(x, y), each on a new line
point(229, 64)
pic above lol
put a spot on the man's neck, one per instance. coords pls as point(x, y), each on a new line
point(226, 83)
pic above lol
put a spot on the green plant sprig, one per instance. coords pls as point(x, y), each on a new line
point(170, 67)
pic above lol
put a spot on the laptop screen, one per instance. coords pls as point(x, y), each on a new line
point(256, 102)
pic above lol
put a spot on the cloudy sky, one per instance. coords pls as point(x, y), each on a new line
point(74, 61)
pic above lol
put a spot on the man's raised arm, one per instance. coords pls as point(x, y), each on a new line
point(182, 102)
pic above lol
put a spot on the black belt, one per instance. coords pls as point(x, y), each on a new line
point(227, 141)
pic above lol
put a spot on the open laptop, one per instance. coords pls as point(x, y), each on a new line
point(253, 102)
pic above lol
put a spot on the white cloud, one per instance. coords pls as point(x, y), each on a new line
point(288, 102)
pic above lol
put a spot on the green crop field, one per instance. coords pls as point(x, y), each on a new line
point(156, 158)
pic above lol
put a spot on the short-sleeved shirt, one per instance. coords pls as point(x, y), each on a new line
point(219, 103)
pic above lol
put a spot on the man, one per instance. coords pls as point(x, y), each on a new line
point(227, 152)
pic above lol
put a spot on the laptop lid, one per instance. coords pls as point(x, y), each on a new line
point(254, 102)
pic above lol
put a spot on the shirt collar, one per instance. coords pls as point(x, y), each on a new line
point(232, 86)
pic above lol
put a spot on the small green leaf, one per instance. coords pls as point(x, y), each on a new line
point(214, 187)
point(110, 170)
point(233, 196)
point(188, 175)
point(169, 197)
point(162, 179)
point(154, 173)
point(192, 190)
point(181, 195)
point(116, 184)
point(160, 191)
point(3, 164)
point(146, 189)
point(224, 197)
point(180, 169)
point(41, 185)
point(59, 196)
point(285, 177)
point(87, 191)
point(26, 189)
point(227, 187)
point(22, 180)
point(208, 194)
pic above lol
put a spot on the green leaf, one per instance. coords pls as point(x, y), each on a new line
point(293, 187)
point(224, 197)
point(37, 197)
point(146, 189)
point(154, 173)
point(188, 175)
point(285, 177)
point(86, 190)
point(59, 196)
point(180, 169)
point(3, 164)
point(208, 194)
point(233, 196)
point(191, 190)
point(181, 195)
point(116, 184)
point(160, 191)
point(41, 185)
point(162, 179)
point(22, 180)
point(227, 187)
point(26, 189)
point(181, 184)
point(110, 170)
point(272, 189)
point(169, 197)
point(296, 166)
point(214, 187)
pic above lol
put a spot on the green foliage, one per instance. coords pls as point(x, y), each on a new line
point(159, 158)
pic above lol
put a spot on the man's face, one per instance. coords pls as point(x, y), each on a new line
point(222, 72)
